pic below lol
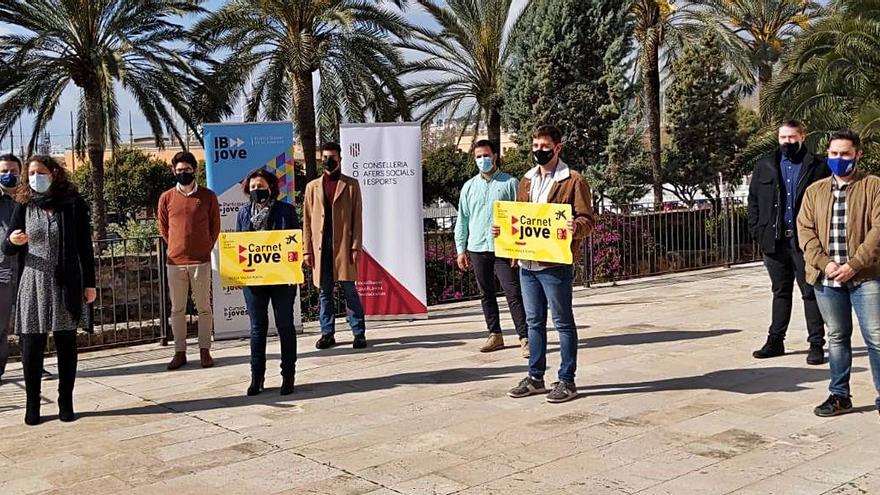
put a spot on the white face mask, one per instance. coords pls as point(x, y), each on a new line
point(40, 183)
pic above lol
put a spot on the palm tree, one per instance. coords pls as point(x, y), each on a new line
point(468, 56)
point(278, 45)
point(761, 30)
point(95, 45)
point(829, 77)
point(653, 23)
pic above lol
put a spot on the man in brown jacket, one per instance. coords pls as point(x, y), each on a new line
point(543, 284)
point(839, 232)
point(189, 221)
point(332, 242)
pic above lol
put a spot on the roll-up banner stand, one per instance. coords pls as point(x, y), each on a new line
point(386, 160)
point(231, 151)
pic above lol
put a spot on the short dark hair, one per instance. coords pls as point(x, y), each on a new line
point(794, 124)
point(331, 146)
point(848, 135)
point(548, 131)
point(269, 177)
point(487, 143)
point(9, 157)
point(185, 157)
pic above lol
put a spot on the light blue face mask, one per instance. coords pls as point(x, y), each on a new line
point(485, 164)
point(40, 183)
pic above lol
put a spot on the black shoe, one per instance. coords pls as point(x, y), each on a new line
point(360, 342)
point(834, 406)
point(325, 342)
point(527, 387)
point(32, 413)
point(65, 409)
point(772, 348)
point(287, 385)
point(256, 385)
point(816, 356)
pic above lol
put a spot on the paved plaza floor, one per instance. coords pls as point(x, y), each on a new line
point(672, 403)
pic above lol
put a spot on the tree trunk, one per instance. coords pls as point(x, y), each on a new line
point(651, 75)
point(304, 116)
point(95, 144)
point(765, 75)
point(494, 126)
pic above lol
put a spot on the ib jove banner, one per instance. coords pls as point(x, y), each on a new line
point(272, 257)
point(386, 160)
point(533, 231)
point(231, 151)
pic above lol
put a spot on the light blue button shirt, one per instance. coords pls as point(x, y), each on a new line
point(473, 230)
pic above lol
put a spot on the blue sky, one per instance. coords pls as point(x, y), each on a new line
point(59, 128)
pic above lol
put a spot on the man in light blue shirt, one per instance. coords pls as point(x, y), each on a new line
point(476, 245)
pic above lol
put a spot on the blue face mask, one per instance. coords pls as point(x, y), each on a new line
point(40, 183)
point(485, 164)
point(8, 180)
point(841, 167)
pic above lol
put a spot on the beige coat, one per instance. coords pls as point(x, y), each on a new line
point(347, 227)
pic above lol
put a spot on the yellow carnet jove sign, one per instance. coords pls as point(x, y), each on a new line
point(271, 257)
point(533, 231)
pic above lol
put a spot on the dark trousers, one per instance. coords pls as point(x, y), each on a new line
point(282, 298)
point(486, 268)
point(786, 266)
point(33, 347)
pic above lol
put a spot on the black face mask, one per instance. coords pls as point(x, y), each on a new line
point(330, 164)
point(185, 178)
point(259, 196)
point(543, 157)
point(790, 150)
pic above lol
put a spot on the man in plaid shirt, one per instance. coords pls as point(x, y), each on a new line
point(839, 232)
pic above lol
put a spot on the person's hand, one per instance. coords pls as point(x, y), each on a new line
point(496, 231)
point(571, 226)
point(354, 257)
point(18, 238)
point(831, 270)
point(90, 294)
point(844, 273)
point(308, 262)
point(463, 262)
point(513, 263)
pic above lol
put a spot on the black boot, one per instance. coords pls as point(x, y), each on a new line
point(32, 348)
point(65, 348)
point(257, 380)
point(287, 384)
point(772, 348)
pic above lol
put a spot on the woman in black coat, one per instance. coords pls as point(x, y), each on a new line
point(50, 231)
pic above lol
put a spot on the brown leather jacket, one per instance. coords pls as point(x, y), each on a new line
point(570, 188)
point(862, 227)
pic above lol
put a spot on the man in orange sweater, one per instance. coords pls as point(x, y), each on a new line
point(189, 221)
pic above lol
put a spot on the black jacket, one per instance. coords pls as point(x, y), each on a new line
point(76, 258)
point(767, 196)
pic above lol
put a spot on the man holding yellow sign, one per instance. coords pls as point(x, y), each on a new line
point(265, 256)
point(553, 210)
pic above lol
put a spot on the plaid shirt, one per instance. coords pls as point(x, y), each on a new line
point(837, 249)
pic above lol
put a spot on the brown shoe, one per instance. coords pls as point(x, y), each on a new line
point(178, 361)
point(207, 360)
point(495, 342)
point(524, 347)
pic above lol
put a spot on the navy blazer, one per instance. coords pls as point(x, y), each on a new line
point(282, 217)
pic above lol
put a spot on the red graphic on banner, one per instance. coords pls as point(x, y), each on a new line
point(381, 293)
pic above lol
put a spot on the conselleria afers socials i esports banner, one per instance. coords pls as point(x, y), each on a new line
point(231, 151)
point(386, 160)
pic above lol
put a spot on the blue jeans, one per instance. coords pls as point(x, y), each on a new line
point(282, 298)
point(354, 309)
point(552, 287)
point(837, 305)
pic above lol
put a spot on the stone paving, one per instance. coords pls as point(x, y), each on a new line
point(672, 403)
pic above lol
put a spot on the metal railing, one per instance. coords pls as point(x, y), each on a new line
point(628, 241)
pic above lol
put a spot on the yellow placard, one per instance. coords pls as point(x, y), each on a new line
point(267, 257)
point(533, 231)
